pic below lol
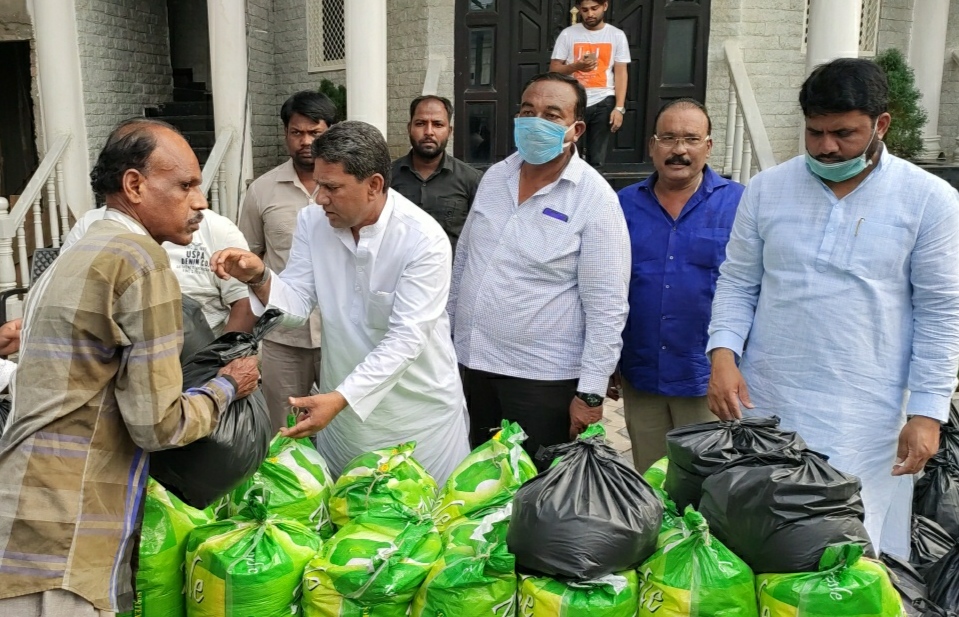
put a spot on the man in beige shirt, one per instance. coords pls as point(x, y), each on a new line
point(290, 356)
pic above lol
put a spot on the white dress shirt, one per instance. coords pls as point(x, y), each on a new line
point(387, 346)
point(540, 288)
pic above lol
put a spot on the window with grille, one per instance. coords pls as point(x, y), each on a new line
point(868, 28)
point(326, 35)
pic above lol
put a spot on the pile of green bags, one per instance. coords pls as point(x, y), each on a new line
point(297, 481)
point(692, 573)
point(487, 478)
point(248, 565)
point(371, 567)
point(614, 595)
point(167, 523)
point(383, 483)
point(847, 585)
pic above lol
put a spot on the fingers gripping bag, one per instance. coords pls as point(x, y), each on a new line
point(588, 516)
point(297, 480)
point(387, 482)
point(694, 574)
point(487, 478)
point(846, 585)
point(202, 472)
point(372, 567)
point(167, 523)
point(780, 510)
point(475, 576)
point(251, 565)
point(697, 451)
point(613, 595)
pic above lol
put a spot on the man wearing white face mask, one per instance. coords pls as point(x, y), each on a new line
point(842, 272)
point(540, 279)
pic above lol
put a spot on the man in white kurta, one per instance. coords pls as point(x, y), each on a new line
point(381, 286)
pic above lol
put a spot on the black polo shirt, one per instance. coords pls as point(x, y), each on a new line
point(447, 195)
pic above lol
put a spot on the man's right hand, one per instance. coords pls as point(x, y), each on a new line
point(245, 372)
point(242, 265)
point(10, 337)
point(727, 388)
point(586, 65)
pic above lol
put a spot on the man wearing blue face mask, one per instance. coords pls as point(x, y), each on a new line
point(842, 273)
point(540, 279)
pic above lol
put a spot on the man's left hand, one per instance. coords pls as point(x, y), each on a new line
point(10, 337)
point(582, 415)
point(615, 121)
point(315, 413)
point(918, 442)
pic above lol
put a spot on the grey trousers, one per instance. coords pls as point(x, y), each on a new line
point(287, 371)
point(54, 603)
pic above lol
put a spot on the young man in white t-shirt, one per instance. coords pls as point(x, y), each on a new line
point(597, 55)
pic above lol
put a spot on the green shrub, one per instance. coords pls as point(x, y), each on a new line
point(337, 94)
point(904, 138)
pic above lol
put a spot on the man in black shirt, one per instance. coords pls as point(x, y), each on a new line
point(436, 182)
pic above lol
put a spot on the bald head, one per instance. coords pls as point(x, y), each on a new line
point(128, 146)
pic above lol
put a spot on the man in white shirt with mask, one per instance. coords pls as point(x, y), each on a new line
point(379, 268)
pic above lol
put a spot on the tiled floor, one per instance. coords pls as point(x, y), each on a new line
point(616, 428)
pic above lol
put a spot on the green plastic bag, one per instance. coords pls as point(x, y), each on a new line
point(297, 481)
point(475, 577)
point(487, 478)
point(847, 585)
point(383, 483)
point(694, 574)
point(167, 523)
point(248, 566)
point(372, 567)
point(656, 474)
point(614, 595)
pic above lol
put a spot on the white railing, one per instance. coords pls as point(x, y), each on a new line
point(214, 180)
point(39, 198)
point(747, 144)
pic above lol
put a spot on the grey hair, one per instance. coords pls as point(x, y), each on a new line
point(359, 147)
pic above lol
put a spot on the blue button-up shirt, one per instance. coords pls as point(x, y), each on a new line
point(674, 272)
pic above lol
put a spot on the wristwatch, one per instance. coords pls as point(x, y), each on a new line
point(591, 400)
point(621, 110)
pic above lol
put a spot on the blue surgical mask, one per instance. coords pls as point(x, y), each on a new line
point(843, 170)
point(539, 141)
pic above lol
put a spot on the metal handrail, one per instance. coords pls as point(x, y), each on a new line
point(215, 160)
point(10, 223)
point(762, 149)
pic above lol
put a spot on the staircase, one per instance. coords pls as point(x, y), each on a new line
point(191, 112)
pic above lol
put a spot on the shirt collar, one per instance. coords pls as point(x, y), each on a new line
point(124, 219)
point(377, 228)
point(711, 181)
point(287, 173)
point(573, 172)
point(406, 161)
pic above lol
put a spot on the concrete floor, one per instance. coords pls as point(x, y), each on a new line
point(616, 433)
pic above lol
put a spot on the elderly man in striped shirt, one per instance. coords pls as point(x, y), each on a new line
point(540, 279)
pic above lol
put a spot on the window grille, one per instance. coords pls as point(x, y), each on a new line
point(326, 35)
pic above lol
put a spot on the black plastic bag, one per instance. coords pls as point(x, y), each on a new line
point(697, 451)
point(202, 472)
point(780, 510)
point(930, 542)
point(936, 494)
point(589, 516)
point(909, 583)
point(197, 333)
point(943, 581)
point(949, 445)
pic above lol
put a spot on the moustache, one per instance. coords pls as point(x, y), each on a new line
point(196, 220)
point(678, 160)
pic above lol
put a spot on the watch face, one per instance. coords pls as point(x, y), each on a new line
point(593, 400)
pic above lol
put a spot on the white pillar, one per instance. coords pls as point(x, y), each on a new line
point(366, 97)
point(61, 95)
point(833, 31)
point(927, 56)
point(231, 110)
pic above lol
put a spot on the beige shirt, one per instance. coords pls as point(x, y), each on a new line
point(268, 220)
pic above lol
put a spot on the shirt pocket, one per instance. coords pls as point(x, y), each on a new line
point(877, 250)
point(707, 248)
point(379, 307)
point(454, 211)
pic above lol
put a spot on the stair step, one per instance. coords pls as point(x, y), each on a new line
point(200, 139)
point(191, 123)
point(183, 95)
point(181, 108)
point(182, 77)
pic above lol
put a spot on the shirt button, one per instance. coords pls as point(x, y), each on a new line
point(359, 269)
point(664, 348)
point(356, 288)
point(664, 318)
point(667, 286)
point(674, 229)
point(670, 256)
point(830, 230)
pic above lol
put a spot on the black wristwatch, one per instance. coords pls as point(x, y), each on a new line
point(591, 400)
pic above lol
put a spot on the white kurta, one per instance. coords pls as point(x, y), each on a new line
point(386, 335)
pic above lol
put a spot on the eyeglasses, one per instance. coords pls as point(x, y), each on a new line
point(669, 141)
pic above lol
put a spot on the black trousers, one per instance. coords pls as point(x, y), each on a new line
point(596, 139)
point(540, 407)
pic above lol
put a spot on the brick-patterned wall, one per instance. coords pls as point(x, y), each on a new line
point(407, 59)
point(124, 60)
point(263, 107)
point(895, 25)
point(949, 102)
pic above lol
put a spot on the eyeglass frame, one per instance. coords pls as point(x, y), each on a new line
point(660, 141)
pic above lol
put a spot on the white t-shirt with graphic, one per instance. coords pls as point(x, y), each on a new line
point(608, 44)
point(191, 263)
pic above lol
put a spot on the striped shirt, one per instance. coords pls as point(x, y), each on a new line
point(540, 288)
point(99, 384)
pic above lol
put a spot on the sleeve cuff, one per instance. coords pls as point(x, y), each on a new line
point(355, 402)
point(930, 405)
point(593, 384)
point(726, 339)
point(255, 305)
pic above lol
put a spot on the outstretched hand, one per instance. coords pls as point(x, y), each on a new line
point(242, 265)
point(314, 413)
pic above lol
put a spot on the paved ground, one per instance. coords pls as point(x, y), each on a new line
point(616, 429)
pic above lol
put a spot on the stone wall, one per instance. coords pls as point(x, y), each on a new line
point(124, 60)
point(263, 107)
point(949, 102)
point(895, 25)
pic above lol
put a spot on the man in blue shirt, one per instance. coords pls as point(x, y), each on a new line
point(842, 272)
point(679, 221)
